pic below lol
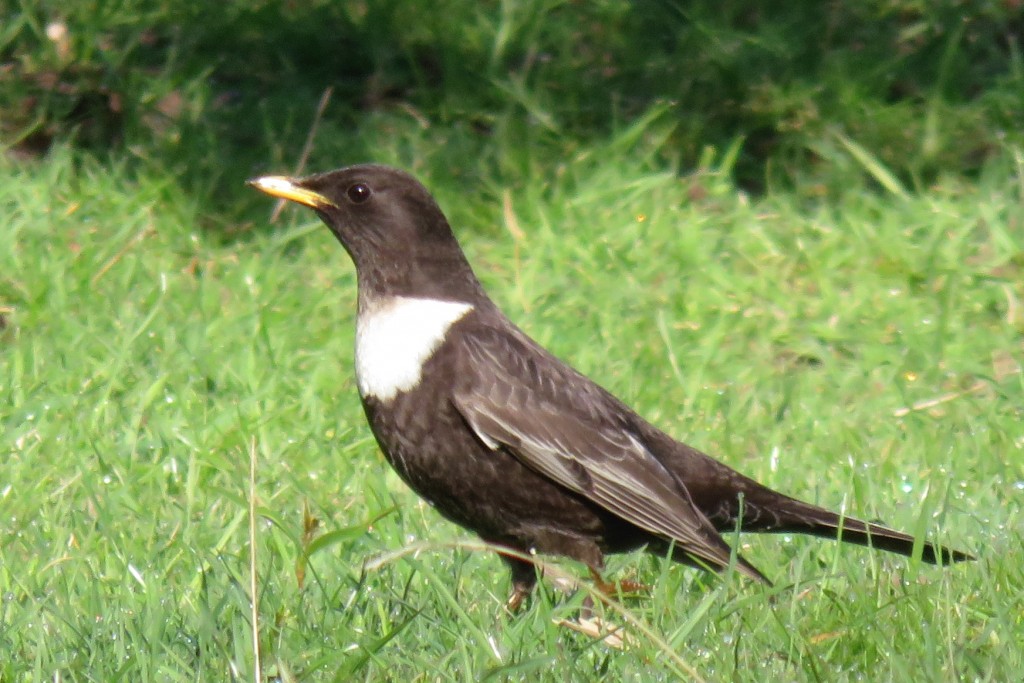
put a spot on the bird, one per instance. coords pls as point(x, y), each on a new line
point(505, 439)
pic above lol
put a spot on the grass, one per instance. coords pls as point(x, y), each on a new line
point(142, 356)
point(852, 335)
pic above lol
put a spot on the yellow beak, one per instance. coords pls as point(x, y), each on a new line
point(287, 188)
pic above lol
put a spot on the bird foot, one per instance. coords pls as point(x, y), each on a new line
point(520, 592)
point(622, 587)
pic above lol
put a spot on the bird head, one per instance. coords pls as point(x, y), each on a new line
point(388, 222)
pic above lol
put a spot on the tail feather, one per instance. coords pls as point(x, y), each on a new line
point(725, 496)
point(770, 512)
point(816, 521)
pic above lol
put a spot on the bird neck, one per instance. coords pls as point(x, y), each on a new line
point(445, 278)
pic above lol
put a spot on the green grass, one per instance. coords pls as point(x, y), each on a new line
point(142, 356)
point(156, 328)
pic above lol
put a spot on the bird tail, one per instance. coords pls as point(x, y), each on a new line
point(765, 510)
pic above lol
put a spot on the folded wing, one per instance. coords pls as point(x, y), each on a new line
point(516, 396)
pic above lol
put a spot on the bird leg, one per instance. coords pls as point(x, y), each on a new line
point(622, 587)
point(524, 578)
point(520, 592)
point(610, 589)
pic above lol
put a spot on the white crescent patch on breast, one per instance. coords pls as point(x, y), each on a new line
point(394, 340)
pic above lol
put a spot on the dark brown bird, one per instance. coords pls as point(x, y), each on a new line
point(507, 440)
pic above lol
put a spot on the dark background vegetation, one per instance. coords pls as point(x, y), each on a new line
point(219, 90)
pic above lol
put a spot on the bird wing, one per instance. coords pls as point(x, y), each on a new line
point(517, 396)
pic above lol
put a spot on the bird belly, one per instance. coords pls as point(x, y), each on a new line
point(487, 491)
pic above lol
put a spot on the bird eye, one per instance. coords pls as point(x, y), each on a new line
point(358, 193)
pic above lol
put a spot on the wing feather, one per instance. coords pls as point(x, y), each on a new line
point(517, 396)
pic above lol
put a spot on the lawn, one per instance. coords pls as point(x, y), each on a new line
point(849, 331)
